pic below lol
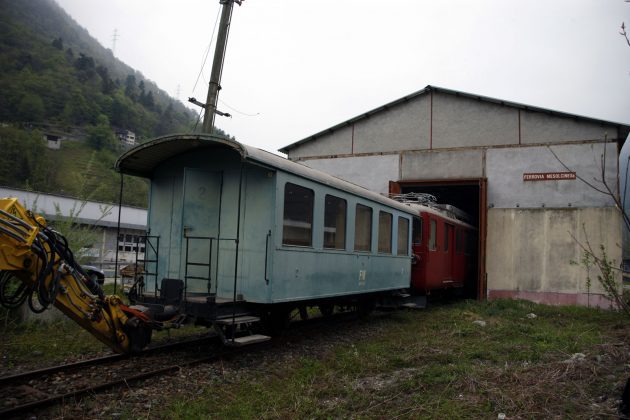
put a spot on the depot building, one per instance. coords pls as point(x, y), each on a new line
point(530, 178)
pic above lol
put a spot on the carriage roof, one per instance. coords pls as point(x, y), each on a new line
point(143, 159)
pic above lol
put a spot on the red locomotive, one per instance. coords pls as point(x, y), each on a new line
point(443, 244)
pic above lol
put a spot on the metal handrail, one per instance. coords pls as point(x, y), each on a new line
point(145, 260)
point(188, 263)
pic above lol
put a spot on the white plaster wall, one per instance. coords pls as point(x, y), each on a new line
point(371, 172)
point(464, 122)
point(532, 249)
point(435, 164)
point(338, 142)
point(505, 168)
point(537, 127)
point(403, 127)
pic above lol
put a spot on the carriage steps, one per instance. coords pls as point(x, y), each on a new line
point(243, 322)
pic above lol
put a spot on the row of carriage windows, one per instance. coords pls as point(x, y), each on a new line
point(298, 223)
point(463, 243)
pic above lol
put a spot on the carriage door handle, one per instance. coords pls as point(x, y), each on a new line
point(267, 254)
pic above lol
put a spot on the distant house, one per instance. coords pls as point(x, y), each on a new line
point(126, 137)
point(53, 141)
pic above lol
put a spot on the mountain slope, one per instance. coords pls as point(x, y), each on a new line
point(55, 77)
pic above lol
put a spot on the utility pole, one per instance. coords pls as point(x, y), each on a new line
point(217, 66)
point(114, 39)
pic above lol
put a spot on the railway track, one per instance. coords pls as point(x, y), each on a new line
point(30, 392)
point(6, 380)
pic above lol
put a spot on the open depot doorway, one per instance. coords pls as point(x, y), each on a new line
point(468, 195)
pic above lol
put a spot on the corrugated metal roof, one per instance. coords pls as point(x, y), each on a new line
point(624, 128)
point(143, 159)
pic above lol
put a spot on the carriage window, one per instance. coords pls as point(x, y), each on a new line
point(335, 223)
point(298, 215)
point(403, 236)
point(448, 232)
point(433, 235)
point(417, 231)
point(384, 232)
point(363, 228)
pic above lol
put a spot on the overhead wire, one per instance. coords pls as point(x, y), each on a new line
point(201, 76)
point(203, 64)
point(239, 112)
point(205, 57)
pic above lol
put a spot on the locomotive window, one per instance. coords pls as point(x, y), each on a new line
point(417, 231)
point(298, 215)
point(448, 232)
point(459, 241)
point(403, 236)
point(384, 232)
point(433, 235)
point(470, 243)
point(335, 223)
point(363, 228)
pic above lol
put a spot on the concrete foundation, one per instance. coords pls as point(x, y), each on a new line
point(535, 254)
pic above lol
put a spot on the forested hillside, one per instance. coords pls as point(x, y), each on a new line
point(54, 77)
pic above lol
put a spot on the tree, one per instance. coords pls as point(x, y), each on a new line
point(58, 43)
point(84, 62)
point(85, 66)
point(107, 84)
point(101, 135)
point(130, 87)
point(31, 108)
point(25, 160)
point(78, 111)
point(148, 101)
point(597, 257)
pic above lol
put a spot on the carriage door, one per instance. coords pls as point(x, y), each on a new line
point(449, 257)
point(200, 229)
point(419, 256)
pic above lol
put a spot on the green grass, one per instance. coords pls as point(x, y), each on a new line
point(434, 363)
point(426, 364)
point(39, 342)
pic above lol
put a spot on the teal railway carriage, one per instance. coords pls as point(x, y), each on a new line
point(232, 226)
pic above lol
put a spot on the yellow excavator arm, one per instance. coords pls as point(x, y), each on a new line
point(38, 266)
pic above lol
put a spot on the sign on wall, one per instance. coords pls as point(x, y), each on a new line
point(549, 176)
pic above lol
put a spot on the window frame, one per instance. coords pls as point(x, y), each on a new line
point(384, 215)
point(417, 221)
point(345, 222)
point(459, 241)
point(398, 237)
point(433, 243)
point(448, 229)
point(284, 216)
point(356, 230)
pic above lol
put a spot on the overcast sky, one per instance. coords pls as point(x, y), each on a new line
point(294, 68)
